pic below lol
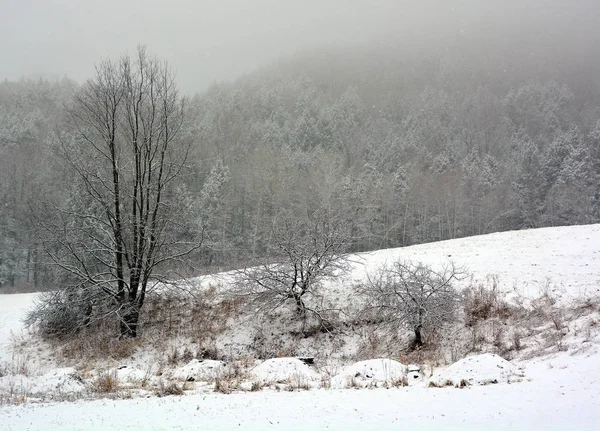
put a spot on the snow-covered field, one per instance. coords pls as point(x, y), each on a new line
point(566, 259)
point(555, 391)
point(561, 393)
point(12, 310)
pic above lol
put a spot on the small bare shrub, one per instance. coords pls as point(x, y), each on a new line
point(170, 388)
point(444, 384)
point(61, 314)
point(516, 339)
point(106, 382)
point(308, 246)
point(187, 355)
point(482, 303)
point(221, 386)
point(400, 382)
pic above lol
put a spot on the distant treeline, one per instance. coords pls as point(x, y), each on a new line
point(413, 146)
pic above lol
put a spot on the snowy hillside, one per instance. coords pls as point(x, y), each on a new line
point(549, 382)
point(566, 259)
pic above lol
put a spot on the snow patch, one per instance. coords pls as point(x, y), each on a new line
point(197, 370)
point(131, 374)
point(60, 380)
point(370, 373)
point(478, 370)
point(286, 370)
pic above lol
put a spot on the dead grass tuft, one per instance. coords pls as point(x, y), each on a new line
point(201, 317)
point(483, 303)
point(222, 386)
point(92, 345)
point(444, 384)
point(106, 382)
point(166, 389)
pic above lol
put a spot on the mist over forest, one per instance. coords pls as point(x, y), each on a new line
point(438, 123)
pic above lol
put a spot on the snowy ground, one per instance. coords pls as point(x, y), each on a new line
point(12, 309)
point(558, 390)
point(566, 259)
point(563, 394)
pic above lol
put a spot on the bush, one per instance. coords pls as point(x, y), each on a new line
point(414, 295)
point(62, 313)
point(483, 303)
point(106, 382)
point(168, 389)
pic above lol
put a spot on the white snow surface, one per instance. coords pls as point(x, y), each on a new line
point(562, 394)
point(13, 309)
point(200, 370)
point(370, 373)
point(130, 374)
point(483, 369)
point(286, 370)
point(58, 381)
point(565, 260)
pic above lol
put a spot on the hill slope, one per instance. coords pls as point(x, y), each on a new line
point(556, 358)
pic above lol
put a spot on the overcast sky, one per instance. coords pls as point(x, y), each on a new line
point(204, 40)
point(212, 40)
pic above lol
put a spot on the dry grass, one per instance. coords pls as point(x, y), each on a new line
point(170, 388)
point(444, 384)
point(430, 354)
point(166, 316)
point(223, 386)
point(483, 303)
point(94, 344)
point(400, 382)
point(200, 318)
point(106, 382)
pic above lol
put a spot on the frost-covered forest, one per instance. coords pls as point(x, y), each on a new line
point(227, 212)
point(404, 145)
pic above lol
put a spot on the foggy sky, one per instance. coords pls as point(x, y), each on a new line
point(215, 40)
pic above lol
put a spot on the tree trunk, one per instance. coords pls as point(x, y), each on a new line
point(418, 337)
point(36, 269)
point(129, 323)
point(300, 307)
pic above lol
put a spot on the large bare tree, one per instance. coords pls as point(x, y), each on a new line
point(125, 152)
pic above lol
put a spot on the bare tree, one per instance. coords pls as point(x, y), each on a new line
point(124, 154)
point(413, 295)
point(307, 250)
